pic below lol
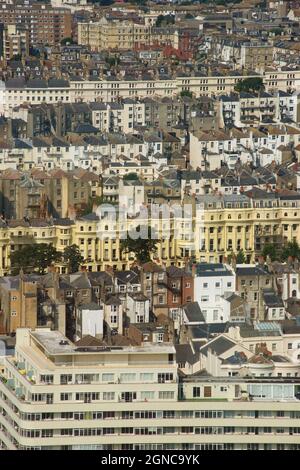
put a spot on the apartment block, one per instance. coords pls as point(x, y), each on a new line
point(45, 25)
point(15, 42)
point(79, 399)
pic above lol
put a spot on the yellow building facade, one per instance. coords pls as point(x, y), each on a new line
point(212, 228)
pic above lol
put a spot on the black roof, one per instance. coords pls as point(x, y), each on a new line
point(193, 312)
point(185, 353)
point(271, 299)
point(218, 345)
point(252, 271)
point(212, 269)
point(207, 330)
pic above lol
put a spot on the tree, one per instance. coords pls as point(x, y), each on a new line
point(186, 93)
point(143, 246)
point(270, 250)
point(112, 61)
point(252, 84)
point(130, 176)
point(34, 258)
point(292, 250)
point(17, 57)
point(93, 201)
point(276, 31)
point(240, 257)
point(73, 257)
point(65, 41)
point(163, 20)
point(34, 52)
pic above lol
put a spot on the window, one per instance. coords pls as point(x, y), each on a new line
point(108, 396)
point(128, 396)
point(166, 395)
point(66, 396)
point(147, 395)
point(65, 379)
point(196, 392)
point(165, 377)
point(146, 377)
point(108, 377)
point(47, 379)
point(160, 337)
point(128, 377)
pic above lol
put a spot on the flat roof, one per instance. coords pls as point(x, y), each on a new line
point(55, 343)
point(213, 269)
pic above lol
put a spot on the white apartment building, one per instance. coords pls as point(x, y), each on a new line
point(131, 195)
point(17, 92)
point(118, 117)
point(37, 91)
point(89, 320)
point(138, 308)
point(56, 396)
point(209, 149)
point(211, 282)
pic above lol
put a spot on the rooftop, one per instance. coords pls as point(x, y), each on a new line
point(55, 343)
point(213, 269)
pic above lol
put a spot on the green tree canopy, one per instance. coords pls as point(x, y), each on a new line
point(73, 258)
point(130, 176)
point(34, 258)
point(292, 249)
point(270, 250)
point(34, 52)
point(186, 93)
point(240, 257)
point(276, 31)
point(93, 201)
point(143, 247)
point(252, 84)
point(163, 20)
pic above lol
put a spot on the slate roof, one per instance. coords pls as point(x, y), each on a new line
point(218, 345)
point(79, 281)
point(271, 299)
point(184, 353)
point(89, 306)
point(212, 269)
point(124, 277)
point(251, 271)
point(207, 330)
point(193, 312)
